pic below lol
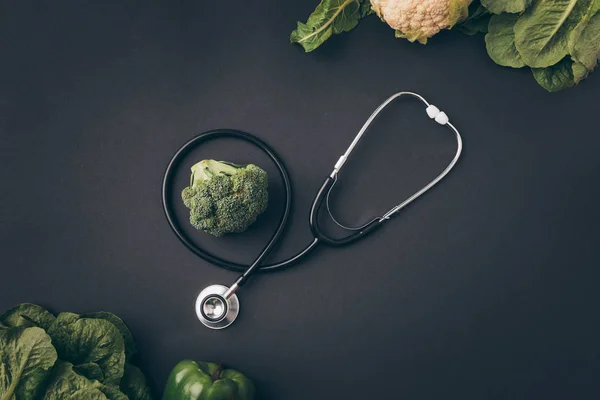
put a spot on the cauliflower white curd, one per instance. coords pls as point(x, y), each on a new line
point(420, 19)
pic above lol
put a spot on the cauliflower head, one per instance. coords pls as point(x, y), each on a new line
point(420, 19)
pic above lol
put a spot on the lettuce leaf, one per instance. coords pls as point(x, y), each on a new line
point(90, 370)
point(85, 340)
point(329, 18)
point(557, 77)
point(112, 393)
point(69, 357)
point(584, 45)
point(477, 21)
point(134, 384)
point(66, 384)
point(580, 71)
point(542, 33)
point(500, 41)
point(26, 356)
point(506, 6)
point(365, 8)
point(130, 349)
point(27, 315)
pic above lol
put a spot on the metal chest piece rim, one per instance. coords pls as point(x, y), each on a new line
point(214, 310)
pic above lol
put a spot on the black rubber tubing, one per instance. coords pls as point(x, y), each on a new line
point(211, 258)
point(316, 228)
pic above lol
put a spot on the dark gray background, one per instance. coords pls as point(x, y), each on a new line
point(487, 287)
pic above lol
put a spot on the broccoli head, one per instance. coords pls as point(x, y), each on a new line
point(225, 197)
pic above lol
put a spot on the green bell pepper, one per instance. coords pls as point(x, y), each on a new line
point(191, 380)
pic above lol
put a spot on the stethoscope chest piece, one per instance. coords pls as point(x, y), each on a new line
point(214, 310)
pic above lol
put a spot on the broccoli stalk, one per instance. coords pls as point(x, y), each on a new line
point(225, 197)
point(206, 169)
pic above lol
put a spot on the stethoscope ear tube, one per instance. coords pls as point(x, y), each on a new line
point(316, 228)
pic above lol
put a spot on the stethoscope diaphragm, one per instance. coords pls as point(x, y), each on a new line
point(214, 310)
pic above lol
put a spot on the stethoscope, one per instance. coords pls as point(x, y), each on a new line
point(217, 306)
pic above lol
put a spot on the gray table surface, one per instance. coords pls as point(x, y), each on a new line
point(484, 288)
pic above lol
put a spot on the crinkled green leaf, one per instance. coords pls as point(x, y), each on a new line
point(90, 370)
point(506, 6)
point(365, 8)
point(585, 48)
point(66, 384)
point(477, 21)
point(500, 41)
point(580, 72)
point(577, 31)
point(330, 17)
point(477, 10)
point(96, 343)
point(542, 32)
point(5, 377)
point(26, 356)
point(475, 26)
point(112, 393)
point(557, 77)
point(130, 348)
point(85, 340)
point(134, 384)
point(27, 315)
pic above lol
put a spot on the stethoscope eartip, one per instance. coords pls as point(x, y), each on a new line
point(214, 310)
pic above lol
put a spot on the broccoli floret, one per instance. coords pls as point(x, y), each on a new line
point(225, 197)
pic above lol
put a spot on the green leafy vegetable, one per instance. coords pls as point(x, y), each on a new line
point(26, 356)
point(585, 41)
point(557, 77)
point(134, 384)
point(69, 357)
point(66, 384)
point(477, 21)
point(130, 349)
point(330, 17)
point(27, 315)
point(477, 10)
point(86, 340)
point(475, 26)
point(560, 76)
point(365, 8)
point(112, 393)
point(90, 370)
point(579, 71)
point(506, 6)
point(500, 41)
point(558, 39)
point(542, 33)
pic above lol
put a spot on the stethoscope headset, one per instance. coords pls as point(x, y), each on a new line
point(217, 306)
